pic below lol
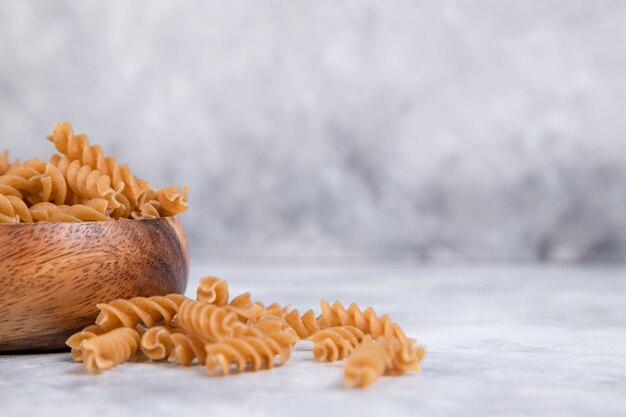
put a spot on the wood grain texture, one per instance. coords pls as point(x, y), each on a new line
point(53, 274)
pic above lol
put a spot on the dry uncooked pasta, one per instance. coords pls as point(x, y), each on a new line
point(270, 323)
point(255, 352)
point(304, 325)
point(5, 164)
point(43, 212)
point(208, 321)
point(93, 210)
point(110, 349)
point(187, 348)
point(53, 186)
point(164, 342)
point(245, 309)
point(13, 210)
point(16, 181)
point(376, 357)
point(275, 309)
point(156, 342)
point(77, 180)
point(336, 343)
point(212, 290)
point(147, 206)
point(76, 147)
point(367, 363)
point(75, 341)
point(172, 200)
point(147, 310)
point(367, 321)
point(84, 181)
point(240, 335)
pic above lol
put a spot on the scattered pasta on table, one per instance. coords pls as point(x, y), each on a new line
point(228, 336)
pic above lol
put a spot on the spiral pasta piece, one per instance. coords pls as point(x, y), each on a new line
point(156, 342)
point(367, 321)
point(43, 212)
point(110, 349)
point(304, 325)
point(5, 164)
point(377, 357)
point(76, 147)
point(172, 200)
point(13, 210)
point(163, 342)
point(52, 184)
point(27, 169)
point(16, 180)
point(212, 290)
point(254, 352)
point(245, 308)
point(336, 343)
point(92, 211)
point(125, 208)
point(405, 355)
point(75, 340)
point(187, 348)
point(271, 324)
point(367, 363)
point(147, 206)
point(208, 321)
point(128, 313)
point(278, 310)
point(275, 309)
point(86, 182)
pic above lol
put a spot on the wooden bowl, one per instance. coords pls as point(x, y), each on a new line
point(53, 274)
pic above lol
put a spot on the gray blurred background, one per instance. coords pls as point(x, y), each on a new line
point(344, 130)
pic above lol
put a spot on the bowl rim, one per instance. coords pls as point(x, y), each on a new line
point(123, 220)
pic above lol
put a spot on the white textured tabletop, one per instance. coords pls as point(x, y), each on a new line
point(516, 341)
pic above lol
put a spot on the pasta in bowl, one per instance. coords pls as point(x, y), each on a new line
point(78, 229)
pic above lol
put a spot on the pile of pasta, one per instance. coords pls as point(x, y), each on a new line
point(238, 334)
point(78, 184)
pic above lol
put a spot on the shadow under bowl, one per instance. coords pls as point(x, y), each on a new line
point(52, 275)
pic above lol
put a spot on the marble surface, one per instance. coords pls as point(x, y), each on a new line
point(483, 130)
point(515, 341)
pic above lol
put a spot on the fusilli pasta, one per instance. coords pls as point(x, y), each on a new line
point(367, 321)
point(208, 321)
point(13, 209)
point(212, 290)
point(16, 180)
point(5, 164)
point(336, 343)
point(255, 352)
point(245, 309)
point(75, 340)
point(76, 147)
point(172, 200)
point(149, 311)
point(110, 349)
point(86, 182)
point(241, 334)
point(367, 363)
point(77, 179)
point(52, 184)
point(376, 357)
point(163, 342)
point(147, 206)
point(304, 325)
